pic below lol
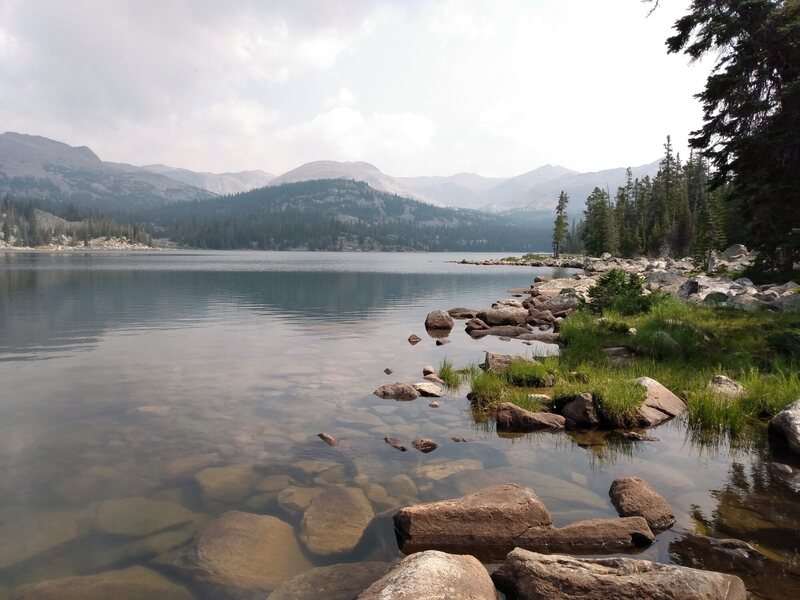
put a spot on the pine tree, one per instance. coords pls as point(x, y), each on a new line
point(560, 232)
point(599, 234)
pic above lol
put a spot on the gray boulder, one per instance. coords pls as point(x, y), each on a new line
point(785, 427)
point(531, 576)
point(578, 410)
point(439, 319)
point(397, 391)
point(497, 363)
point(433, 575)
point(504, 315)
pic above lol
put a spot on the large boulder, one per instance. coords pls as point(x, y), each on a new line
point(579, 410)
point(497, 363)
point(785, 427)
point(633, 497)
point(504, 315)
point(724, 386)
point(132, 583)
point(397, 391)
point(494, 520)
point(659, 405)
point(335, 521)
point(335, 582)
point(493, 516)
point(531, 576)
point(563, 302)
point(438, 319)
point(510, 417)
point(433, 575)
point(31, 534)
point(137, 516)
point(240, 555)
point(230, 483)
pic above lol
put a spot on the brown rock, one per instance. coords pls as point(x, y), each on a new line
point(397, 391)
point(132, 583)
point(504, 315)
point(335, 582)
point(659, 405)
point(492, 517)
point(475, 325)
point(510, 331)
point(328, 439)
point(425, 446)
point(433, 575)
point(578, 410)
point(428, 370)
point(438, 319)
point(511, 417)
point(545, 337)
point(241, 555)
point(592, 536)
point(428, 389)
point(388, 371)
point(414, 339)
point(335, 521)
point(497, 363)
point(463, 313)
point(634, 497)
point(530, 576)
point(395, 443)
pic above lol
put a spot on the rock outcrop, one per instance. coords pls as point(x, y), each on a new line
point(531, 576)
point(433, 575)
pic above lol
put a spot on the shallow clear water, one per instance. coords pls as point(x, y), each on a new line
point(125, 375)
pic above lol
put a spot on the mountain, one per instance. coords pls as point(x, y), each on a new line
point(222, 184)
point(356, 171)
point(542, 196)
point(39, 167)
point(464, 190)
point(336, 214)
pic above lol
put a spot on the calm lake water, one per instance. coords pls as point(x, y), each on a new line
point(127, 376)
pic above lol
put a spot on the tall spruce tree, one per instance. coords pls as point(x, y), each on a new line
point(560, 228)
point(599, 234)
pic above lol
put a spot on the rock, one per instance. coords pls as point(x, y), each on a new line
point(564, 302)
point(617, 351)
point(424, 446)
point(184, 465)
point(659, 405)
point(335, 582)
point(605, 256)
point(433, 575)
point(138, 516)
point(735, 251)
point(504, 315)
point(428, 389)
point(335, 521)
point(28, 534)
point(240, 555)
point(664, 345)
point(295, 499)
point(544, 337)
point(578, 410)
point(439, 319)
point(441, 342)
point(725, 386)
point(475, 325)
point(458, 438)
point(592, 536)
point(497, 363)
point(395, 443)
point(495, 519)
point(494, 516)
point(438, 471)
point(397, 391)
point(414, 339)
point(388, 371)
point(537, 317)
point(510, 417)
point(509, 331)
point(433, 404)
point(328, 439)
point(463, 313)
point(715, 298)
point(434, 379)
point(131, 583)
point(784, 428)
point(428, 370)
point(531, 576)
point(633, 497)
point(226, 484)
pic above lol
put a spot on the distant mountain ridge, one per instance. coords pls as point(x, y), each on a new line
point(35, 166)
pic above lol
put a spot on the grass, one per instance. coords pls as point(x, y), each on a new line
point(452, 378)
point(523, 373)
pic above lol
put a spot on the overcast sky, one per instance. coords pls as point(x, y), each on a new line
point(415, 87)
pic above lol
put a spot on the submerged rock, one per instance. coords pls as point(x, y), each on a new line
point(240, 555)
point(335, 521)
point(433, 575)
point(397, 391)
point(634, 497)
point(531, 576)
point(395, 443)
point(132, 583)
point(509, 331)
point(510, 417)
point(226, 484)
point(138, 516)
point(328, 438)
point(295, 499)
point(424, 446)
point(785, 427)
point(28, 534)
point(335, 582)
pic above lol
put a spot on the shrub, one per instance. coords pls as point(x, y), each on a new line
point(620, 292)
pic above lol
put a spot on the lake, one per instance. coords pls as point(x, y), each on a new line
point(200, 380)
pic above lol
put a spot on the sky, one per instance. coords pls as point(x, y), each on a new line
point(495, 87)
